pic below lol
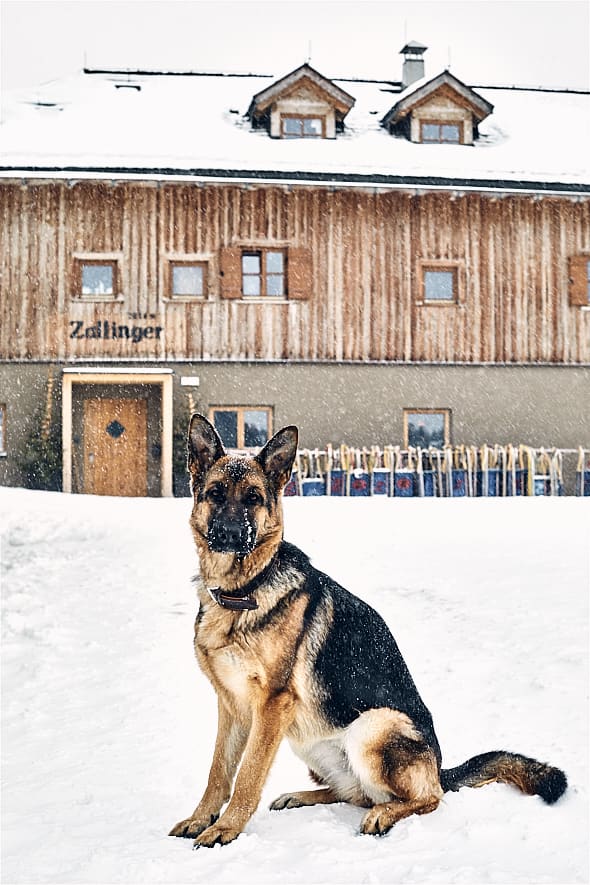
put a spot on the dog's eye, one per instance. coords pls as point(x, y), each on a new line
point(216, 494)
point(253, 498)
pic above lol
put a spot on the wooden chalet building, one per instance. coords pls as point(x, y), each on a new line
point(339, 254)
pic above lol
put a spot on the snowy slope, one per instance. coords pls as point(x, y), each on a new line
point(108, 726)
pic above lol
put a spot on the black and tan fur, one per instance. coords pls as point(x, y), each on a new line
point(310, 662)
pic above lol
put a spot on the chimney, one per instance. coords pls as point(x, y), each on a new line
point(413, 67)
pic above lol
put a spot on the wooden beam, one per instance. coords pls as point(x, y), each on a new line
point(166, 476)
point(66, 430)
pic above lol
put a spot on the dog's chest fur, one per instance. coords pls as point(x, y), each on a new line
point(246, 661)
point(233, 666)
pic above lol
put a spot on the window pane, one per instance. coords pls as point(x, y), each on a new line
point(430, 132)
point(439, 285)
point(588, 279)
point(274, 262)
point(255, 428)
point(426, 430)
point(251, 263)
point(275, 285)
point(187, 279)
point(292, 126)
point(97, 279)
point(312, 127)
point(226, 425)
point(251, 285)
point(450, 133)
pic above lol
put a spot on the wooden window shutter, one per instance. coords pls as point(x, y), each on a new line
point(230, 266)
point(299, 273)
point(578, 280)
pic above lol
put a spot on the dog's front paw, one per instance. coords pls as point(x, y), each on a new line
point(218, 834)
point(192, 826)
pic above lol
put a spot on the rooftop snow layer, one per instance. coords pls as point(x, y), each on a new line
point(98, 123)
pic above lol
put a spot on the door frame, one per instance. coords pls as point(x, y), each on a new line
point(88, 375)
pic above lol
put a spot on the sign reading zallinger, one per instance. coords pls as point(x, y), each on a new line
point(108, 330)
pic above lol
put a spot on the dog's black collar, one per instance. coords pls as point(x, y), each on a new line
point(242, 599)
point(235, 603)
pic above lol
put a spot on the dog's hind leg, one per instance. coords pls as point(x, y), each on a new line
point(229, 746)
point(397, 769)
point(302, 798)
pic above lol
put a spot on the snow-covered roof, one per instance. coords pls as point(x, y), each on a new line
point(193, 126)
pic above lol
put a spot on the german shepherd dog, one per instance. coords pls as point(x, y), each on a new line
point(292, 654)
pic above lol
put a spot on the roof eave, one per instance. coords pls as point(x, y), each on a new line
point(377, 181)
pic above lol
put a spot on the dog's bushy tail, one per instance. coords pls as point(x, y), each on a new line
point(529, 776)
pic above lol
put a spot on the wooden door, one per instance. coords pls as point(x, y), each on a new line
point(115, 447)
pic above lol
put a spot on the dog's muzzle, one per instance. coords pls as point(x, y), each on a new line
point(231, 536)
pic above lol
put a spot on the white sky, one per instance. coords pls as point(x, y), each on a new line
point(525, 42)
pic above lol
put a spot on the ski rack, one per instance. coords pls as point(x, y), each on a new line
point(489, 471)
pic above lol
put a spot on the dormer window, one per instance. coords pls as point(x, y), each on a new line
point(441, 111)
point(303, 104)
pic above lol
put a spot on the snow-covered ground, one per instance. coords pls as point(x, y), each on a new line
point(108, 726)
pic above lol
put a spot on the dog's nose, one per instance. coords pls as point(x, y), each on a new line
point(229, 536)
point(232, 535)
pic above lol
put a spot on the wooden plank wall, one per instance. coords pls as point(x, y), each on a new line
point(513, 254)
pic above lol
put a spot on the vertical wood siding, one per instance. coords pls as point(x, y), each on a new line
point(364, 303)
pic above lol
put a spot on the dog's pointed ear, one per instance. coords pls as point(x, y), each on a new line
point(204, 446)
point(277, 456)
